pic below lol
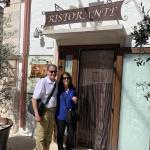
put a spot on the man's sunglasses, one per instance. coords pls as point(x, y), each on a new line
point(53, 71)
point(64, 78)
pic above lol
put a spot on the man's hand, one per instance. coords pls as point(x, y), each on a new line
point(74, 98)
point(37, 117)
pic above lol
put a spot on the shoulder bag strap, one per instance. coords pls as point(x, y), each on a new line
point(50, 94)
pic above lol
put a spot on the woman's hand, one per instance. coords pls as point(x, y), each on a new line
point(74, 98)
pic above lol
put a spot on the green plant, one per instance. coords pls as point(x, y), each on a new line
point(6, 47)
point(141, 31)
point(6, 52)
point(140, 34)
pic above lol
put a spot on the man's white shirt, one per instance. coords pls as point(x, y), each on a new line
point(43, 89)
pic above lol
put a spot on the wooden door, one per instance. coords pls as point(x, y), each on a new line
point(95, 99)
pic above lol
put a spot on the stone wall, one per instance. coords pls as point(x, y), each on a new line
point(9, 102)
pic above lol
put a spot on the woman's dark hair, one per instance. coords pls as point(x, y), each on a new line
point(60, 83)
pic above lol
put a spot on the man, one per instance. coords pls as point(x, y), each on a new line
point(45, 124)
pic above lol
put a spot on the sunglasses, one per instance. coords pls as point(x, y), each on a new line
point(64, 78)
point(53, 71)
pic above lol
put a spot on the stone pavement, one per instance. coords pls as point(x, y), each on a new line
point(24, 142)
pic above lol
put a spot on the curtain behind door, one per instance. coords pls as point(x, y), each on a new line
point(95, 99)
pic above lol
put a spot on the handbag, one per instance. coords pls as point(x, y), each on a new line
point(40, 104)
point(72, 115)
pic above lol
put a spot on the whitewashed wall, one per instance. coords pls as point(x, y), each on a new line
point(133, 127)
point(134, 132)
point(22, 28)
point(37, 19)
point(130, 8)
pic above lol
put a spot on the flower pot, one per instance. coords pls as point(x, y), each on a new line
point(5, 125)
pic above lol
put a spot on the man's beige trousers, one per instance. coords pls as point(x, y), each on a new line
point(44, 130)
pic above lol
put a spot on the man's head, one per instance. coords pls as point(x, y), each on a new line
point(51, 71)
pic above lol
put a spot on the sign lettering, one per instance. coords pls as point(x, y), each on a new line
point(103, 12)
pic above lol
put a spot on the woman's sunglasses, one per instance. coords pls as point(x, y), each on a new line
point(64, 78)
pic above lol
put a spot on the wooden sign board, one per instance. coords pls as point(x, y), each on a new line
point(103, 12)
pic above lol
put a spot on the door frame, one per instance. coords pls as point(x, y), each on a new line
point(61, 62)
point(116, 96)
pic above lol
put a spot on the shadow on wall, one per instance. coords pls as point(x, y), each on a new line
point(128, 41)
point(21, 143)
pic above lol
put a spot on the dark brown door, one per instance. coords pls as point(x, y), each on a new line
point(95, 99)
point(68, 62)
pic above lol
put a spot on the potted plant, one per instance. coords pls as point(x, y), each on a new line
point(6, 51)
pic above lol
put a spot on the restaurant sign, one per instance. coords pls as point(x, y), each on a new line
point(103, 12)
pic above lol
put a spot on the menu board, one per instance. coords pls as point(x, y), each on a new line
point(37, 66)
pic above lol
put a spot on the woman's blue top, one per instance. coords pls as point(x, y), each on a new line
point(61, 112)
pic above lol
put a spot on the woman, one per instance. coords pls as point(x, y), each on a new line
point(67, 100)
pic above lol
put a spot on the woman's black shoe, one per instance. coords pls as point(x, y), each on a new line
point(68, 148)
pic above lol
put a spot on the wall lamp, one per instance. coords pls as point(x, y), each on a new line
point(37, 32)
point(5, 2)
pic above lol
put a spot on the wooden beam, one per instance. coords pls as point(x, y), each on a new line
point(116, 102)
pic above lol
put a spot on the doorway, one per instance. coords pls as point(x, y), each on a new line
point(96, 70)
point(92, 73)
